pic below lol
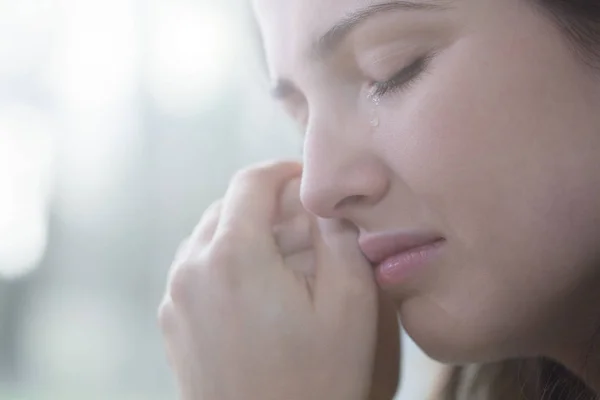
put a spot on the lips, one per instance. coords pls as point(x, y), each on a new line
point(378, 247)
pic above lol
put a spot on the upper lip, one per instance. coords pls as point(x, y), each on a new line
point(377, 247)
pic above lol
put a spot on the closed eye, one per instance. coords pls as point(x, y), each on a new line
point(403, 79)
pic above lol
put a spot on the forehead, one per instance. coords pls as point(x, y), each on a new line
point(307, 13)
point(289, 27)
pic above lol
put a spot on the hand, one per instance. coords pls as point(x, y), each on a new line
point(240, 323)
point(293, 236)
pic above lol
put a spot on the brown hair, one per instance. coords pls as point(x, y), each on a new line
point(580, 21)
point(521, 379)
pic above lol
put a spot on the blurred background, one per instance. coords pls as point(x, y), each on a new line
point(120, 122)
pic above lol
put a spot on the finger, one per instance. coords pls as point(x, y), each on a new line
point(181, 254)
point(168, 318)
point(293, 236)
point(290, 205)
point(250, 205)
point(178, 347)
point(205, 230)
point(182, 250)
point(302, 263)
point(386, 372)
point(344, 276)
point(202, 235)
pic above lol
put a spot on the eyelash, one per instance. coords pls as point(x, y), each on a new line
point(403, 79)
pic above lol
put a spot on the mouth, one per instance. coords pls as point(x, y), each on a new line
point(396, 255)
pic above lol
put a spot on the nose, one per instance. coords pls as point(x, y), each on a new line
point(341, 173)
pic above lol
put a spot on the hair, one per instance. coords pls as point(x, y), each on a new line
point(580, 21)
point(536, 378)
point(519, 379)
point(532, 378)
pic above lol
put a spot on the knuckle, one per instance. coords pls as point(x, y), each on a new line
point(222, 252)
point(183, 245)
point(234, 233)
point(222, 262)
point(258, 171)
point(166, 316)
point(182, 250)
point(212, 208)
point(183, 280)
point(249, 174)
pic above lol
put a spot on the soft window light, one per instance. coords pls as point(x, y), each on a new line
point(191, 55)
point(25, 172)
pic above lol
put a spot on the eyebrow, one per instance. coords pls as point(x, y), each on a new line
point(332, 39)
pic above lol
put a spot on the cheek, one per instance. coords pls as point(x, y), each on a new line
point(499, 148)
point(505, 157)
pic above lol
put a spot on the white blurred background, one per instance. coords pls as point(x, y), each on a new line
point(120, 121)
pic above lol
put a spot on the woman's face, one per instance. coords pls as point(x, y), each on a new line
point(472, 119)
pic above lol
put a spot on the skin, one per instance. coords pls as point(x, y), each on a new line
point(495, 146)
point(292, 233)
point(242, 317)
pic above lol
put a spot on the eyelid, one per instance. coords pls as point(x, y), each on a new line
point(378, 56)
point(370, 59)
point(403, 78)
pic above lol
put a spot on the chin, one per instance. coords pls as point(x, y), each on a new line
point(449, 341)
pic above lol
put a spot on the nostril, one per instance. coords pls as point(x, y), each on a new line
point(350, 200)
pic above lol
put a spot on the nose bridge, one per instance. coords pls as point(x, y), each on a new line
point(341, 168)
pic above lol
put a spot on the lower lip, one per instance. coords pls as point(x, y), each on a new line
point(399, 268)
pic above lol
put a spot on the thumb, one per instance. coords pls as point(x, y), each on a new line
point(344, 277)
